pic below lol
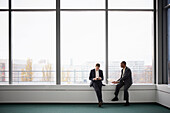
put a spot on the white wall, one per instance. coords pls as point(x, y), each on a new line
point(81, 94)
point(71, 94)
point(163, 95)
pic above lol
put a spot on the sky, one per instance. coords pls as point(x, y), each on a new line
point(83, 36)
point(82, 33)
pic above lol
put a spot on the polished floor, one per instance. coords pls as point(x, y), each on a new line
point(82, 108)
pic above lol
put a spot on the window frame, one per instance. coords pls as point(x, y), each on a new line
point(166, 76)
point(58, 57)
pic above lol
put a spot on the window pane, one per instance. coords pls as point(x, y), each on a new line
point(130, 4)
point(4, 48)
point(168, 46)
point(34, 47)
point(131, 39)
point(82, 4)
point(3, 4)
point(82, 45)
point(33, 4)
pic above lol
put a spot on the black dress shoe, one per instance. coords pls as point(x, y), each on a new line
point(115, 99)
point(100, 104)
point(127, 104)
point(103, 85)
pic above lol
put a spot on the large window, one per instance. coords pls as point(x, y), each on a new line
point(82, 45)
point(82, 4)
point(130, 4)
point(33, 4)
point(3, 4)
point(48, 42)
point(4, 48)
point(33, 47)
point(130, 39)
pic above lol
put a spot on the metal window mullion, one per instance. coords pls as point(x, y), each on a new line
point(58, 74)
point(33, 10)
point(106, 9)
point(106, 17)
point(154, 44)
point(10, 44)
point(161, 67)
point(165, 44)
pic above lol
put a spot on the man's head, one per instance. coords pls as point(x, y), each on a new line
point(97, 66)
point(123, 64)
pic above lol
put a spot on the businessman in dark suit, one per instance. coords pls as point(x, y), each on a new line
point(96, 77)
point(125, 80)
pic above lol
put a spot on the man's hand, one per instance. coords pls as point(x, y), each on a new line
point(94, 78)
point(99, 78)
point(115, 82)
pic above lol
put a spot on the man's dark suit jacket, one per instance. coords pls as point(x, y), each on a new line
point(127, 77)
point(93, 75)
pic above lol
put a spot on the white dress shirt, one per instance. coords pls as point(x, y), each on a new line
point(97, 74)
point(124, 71)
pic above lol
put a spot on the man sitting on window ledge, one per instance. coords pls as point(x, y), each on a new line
point(96, 77)
point(125, 80)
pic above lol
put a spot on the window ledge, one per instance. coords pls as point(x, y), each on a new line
point(163, 88)
point(70, 87)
